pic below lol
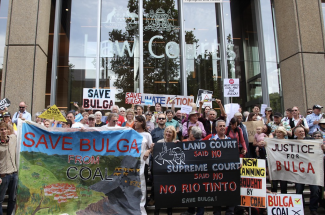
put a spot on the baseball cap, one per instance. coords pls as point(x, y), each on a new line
point(277, 114)
point(317, 107)
point(268, 109)
point(6, 114)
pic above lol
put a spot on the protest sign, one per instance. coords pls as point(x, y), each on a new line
point(253, 183)
point(53, 113)
point(163, 99)
point(263, 107)
point(299, 161)
point(199, 95)
point(231, 109)
point(100, 99)
point(206, 98)
point(231, 87)
point(78, 117)
point(186, 109)
point(196, 174)
point(133, 98)
point(251, 129)
point(148, 102)
point(285, 204)
point(69, 172)
point(4, 103)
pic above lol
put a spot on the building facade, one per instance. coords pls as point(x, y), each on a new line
point(53, 50)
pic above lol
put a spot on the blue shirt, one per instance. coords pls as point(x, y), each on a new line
point(26, 115)
point(310, 119)
point(157, 134)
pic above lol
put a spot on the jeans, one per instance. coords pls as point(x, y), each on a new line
point(9, 182)
point(229, 210)
point(313, 205)
point(283, 186)
point(200, 210)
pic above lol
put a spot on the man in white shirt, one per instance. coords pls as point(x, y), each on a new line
point(74, 124)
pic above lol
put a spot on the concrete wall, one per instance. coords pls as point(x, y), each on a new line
point(25, 63)
point(301, 50)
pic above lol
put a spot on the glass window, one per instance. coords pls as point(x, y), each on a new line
point(3, 29)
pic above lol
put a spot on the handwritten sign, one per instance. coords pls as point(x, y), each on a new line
point(285, 204)
point(100, 99)
point(196, 174)
point(231, 87)
point(251, 129)
point(4, 103)
point(133, 98)
point(53, 113)
point(299, 161)
point(186, 109)
point(253, 183)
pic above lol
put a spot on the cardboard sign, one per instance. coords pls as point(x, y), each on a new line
point(286, 204)
point(4, 103)
point(53, 113)
point(231, 87)
point(133, 98)
point(206, 98)
point(299, 161)
point(196, 174)
point(99, 99)
point(251, 129)
point(186, 109)
point(66, 172)
point(163, 99)
point(253, 183)
point(263, 107)
point(231, 109)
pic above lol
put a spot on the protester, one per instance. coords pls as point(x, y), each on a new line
point(190, 135)
point(193, 121)
point(122, 112)
point(47, 123)
point(37, 119)
point(140, 111)
point(85, 118)
point(256, 110)
point(67, 124)
point(268, 115)
point(314, 189)
point(288, 115)
point(313, 119)
point(309, 111)
point(98, 122)
point(169, 136)
point(178, 117)
point(112, 120)
point(22, 113)
point(251, 117)
point(71, 117)
point(91, 121)
point(279, 122)
point(149, 124)
point(129, 118)
point(239, 117)
point(280, 132)
point(296, 121)
point(7, 118)
point(158, 133)
point(171, 121)
point(158, 110)
point(206, 111)
point(234, 132)
point(115, 109)
point(259, 136)
point(8, 168)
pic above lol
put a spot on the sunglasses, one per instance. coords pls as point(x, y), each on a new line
point(115, 121)
point(317, 136)
point(149, 114)
point(122, 111)
point(21, 107)
point(161, 118)
point(309, 112)
point(294, 110)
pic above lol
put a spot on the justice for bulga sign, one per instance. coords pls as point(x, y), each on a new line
point(299, 161)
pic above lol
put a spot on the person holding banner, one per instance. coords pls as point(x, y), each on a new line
point(169, 136)
point(98, 122)
point(314, 189)
point(129, 118)
point(280, 132)
point(8, 168)
point(115, 109)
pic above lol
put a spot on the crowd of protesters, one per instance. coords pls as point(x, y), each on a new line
point(158, 126)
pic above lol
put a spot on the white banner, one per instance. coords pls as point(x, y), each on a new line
point(285, 204)
point(99, 99)
point(163, 99)
point(253, 182)
point(231, 87)
point(299, 161)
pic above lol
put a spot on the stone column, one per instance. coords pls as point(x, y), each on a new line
point(300, 34)
point(25, 61)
